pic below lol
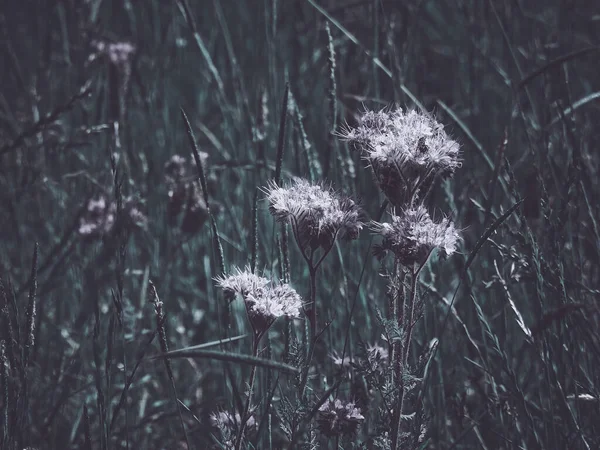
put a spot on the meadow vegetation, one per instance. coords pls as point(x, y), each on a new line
point(299, 224)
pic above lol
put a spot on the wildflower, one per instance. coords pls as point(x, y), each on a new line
point(413, 235)
point(318, 214)
point(264, 300)
point(242, 283)
point(336, 418)
point(405, 150)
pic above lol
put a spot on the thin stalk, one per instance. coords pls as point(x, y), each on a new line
point(244, 416)
point(312, 342)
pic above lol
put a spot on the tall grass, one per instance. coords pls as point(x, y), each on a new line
point(95, 355)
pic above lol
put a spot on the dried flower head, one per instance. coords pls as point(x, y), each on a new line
point(412, 236)
point(318, 214)
point(405, 149)
point(265, 301)
point(336, 418)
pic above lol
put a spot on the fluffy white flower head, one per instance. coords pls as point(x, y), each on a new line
point(265, 301)
point(242, 282)
point(318, 214)
point(405, 149)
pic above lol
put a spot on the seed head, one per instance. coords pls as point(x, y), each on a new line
point(412, 235)
point(317, 213)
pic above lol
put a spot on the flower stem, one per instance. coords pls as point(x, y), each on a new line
point(401, 357)
point(313, 329)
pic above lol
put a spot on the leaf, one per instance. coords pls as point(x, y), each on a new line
point(231, 357)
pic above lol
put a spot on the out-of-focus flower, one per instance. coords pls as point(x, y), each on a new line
point(317, 214)
point(337, 418)
point(265, 301)
point(100, 216)
point(412, 236)
point(98, 219)
point(405, 149)
point(339, 361)
point(118, 53)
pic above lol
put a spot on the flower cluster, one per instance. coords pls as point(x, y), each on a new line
point(265, 301)
point(317, 214)
point(185, 195)
point(100, 217)
point(412, 236)
point(339, 418)
point(405, 150)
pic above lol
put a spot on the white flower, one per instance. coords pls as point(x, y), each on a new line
point(317, 214)
point(412, 235)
